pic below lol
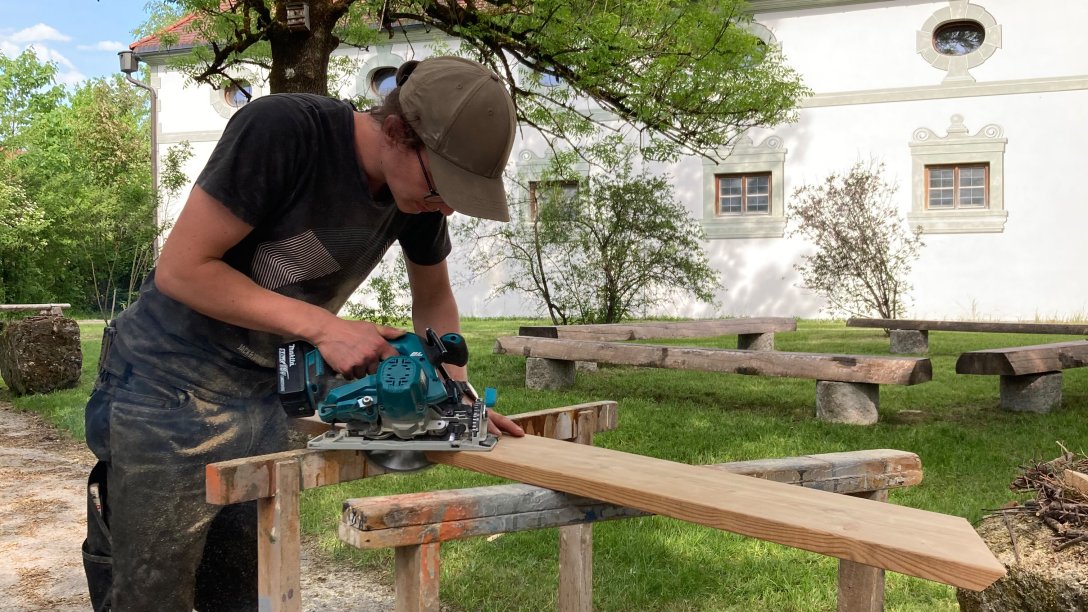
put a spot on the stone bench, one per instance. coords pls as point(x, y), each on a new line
point(912, 336)
point(415, 524)
point(847, 386)
point(754, 333)
point(1031, 376)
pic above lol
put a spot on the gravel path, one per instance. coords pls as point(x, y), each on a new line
point(43, 520)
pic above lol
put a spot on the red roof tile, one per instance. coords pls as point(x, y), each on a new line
point(186, 34)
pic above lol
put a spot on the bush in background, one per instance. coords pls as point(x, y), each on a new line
point(864, 249)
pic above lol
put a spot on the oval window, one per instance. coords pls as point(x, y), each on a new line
point(383, 81)
point(238, 94)
point(958, 37)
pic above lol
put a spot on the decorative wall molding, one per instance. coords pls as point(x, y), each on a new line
point(258, 85)
point(192, 137)
point(531, 167)
point(958, 66)
point(771, 6)
point(958, 146)
point(383, 59)
point(746, 157)
point(947, 91)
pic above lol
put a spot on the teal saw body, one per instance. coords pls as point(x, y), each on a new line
point(409, 405)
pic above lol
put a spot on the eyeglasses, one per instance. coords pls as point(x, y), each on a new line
point(432, 196)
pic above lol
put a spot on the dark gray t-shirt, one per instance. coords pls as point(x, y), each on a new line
point(286, 165)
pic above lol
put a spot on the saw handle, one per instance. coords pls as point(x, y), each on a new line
point(450, 348)
point(456, 349)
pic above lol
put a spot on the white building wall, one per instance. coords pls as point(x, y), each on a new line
point(872, 91)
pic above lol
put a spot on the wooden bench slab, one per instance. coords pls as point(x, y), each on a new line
point(45, 309)
point(873, 369)
point(1074, 329)
point(619, 332)
point(1021, 360)
point(915, 542)
point(276, 480)
point(433, 516)
point(250, 478)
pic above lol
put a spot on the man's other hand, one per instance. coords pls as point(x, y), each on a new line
point(497, 425)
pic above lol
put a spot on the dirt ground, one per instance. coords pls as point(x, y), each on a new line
point(43, 521)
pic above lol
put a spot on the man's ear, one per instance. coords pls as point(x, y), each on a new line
point(393, 128)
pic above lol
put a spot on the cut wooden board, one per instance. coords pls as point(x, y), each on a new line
point(906, 540)
point(874, 369)
point(1020, 360)
point(1072, 329)
point(616, 332)
point(1077, 480)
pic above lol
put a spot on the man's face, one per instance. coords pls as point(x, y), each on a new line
point(413, 186)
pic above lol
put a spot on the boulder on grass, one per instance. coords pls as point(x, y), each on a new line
point(1040, 578)
point(40, 354)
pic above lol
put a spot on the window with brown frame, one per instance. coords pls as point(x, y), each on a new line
point(743, 194)
point(950, 187)
point(547, 192)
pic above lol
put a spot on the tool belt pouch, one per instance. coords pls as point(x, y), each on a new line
point(97, 548)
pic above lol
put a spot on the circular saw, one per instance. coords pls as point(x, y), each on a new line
point(406, 408)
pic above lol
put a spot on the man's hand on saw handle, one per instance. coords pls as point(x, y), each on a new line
point(355, 348)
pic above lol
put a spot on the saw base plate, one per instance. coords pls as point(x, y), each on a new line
point(395, 454)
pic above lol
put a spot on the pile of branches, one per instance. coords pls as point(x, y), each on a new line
point(1063, 508)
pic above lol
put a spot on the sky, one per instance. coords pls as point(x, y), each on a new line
point(83, 37)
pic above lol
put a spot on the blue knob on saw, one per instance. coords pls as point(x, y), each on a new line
point(491, 395)
point(456, 349)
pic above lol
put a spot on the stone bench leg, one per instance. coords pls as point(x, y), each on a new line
point(1032, 392)
point(756, 342)
point(849, 403)
point(908, 341)
point(543, 373)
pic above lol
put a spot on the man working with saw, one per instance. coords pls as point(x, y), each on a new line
point(297, 204)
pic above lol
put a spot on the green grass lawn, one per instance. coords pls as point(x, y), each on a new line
point(970, 451)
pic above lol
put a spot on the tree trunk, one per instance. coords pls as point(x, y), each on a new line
point(300, 59)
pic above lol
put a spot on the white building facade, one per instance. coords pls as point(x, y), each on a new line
point(978, 110)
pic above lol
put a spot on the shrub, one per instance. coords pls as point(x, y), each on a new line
point(864, 250)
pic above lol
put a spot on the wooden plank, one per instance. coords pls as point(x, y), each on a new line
point(576, 546)
point(1020, 360)
point(617, 332)
point(915, 542)
point(249, 478)
point(1077, 480)
point(576, 568)
point(847, 473)
point(416, 570)
point(54, 309)
point(559, 421)
point(278, 543)
point(861, 587)
point(1003, 327)
point(817, 366)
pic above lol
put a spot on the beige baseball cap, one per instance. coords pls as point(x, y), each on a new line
point(466, 119)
